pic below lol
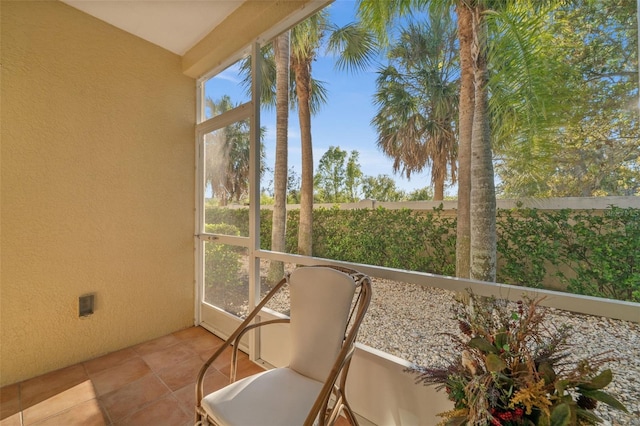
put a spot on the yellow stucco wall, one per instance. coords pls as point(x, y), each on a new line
point(97, 189)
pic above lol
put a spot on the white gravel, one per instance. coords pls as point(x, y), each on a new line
point(407, 320)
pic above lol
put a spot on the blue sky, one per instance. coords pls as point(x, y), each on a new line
point(344, 121)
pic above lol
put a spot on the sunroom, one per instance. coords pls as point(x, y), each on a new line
point(105, 124)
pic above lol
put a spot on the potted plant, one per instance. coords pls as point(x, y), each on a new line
point(513, 368)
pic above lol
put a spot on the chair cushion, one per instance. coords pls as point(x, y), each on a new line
point(320, 304)
point(276, 397)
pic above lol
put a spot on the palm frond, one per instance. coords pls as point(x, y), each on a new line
point(354, 45)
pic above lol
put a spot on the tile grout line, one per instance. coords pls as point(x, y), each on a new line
point(155, 374)
point(99, 398)
point(20, 403)
point(103, 410)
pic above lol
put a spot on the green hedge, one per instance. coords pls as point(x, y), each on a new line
point(595, 253)
point(592, 253)
point(392, 238)
point(221, 262)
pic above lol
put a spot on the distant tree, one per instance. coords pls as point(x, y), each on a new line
point(353, 178)
point(266, 199)
point(417, 99)
point(293, 187)
point(227, 155)
point(595, 144)
point(421, 194)
point(381, 188)
point(331, 175)
point(337, 178)
point(217, 151)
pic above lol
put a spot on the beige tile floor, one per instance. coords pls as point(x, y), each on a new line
point(148, 384)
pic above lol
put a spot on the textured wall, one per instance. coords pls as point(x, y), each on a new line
point(97, 189)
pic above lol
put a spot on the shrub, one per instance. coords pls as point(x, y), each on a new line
point(592, 253)
point(402, 239)
point(528, 245)
point(237, 218)
point(221, 261)
point(603, 251)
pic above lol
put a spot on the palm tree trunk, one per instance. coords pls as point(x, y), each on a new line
point(483, 196)
point(302, 71)
point(438, 189)
point(465, 111)
point(281, 49)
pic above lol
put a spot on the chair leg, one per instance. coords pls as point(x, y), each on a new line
point(331, 415)
point(341, 406)
point(349, 413)
point(201, 418)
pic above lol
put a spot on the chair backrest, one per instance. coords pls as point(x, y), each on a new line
point(321, 300)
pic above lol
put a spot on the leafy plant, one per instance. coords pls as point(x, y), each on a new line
point(527, 245)
point(512, 369)
point(221, 261)
point(590, 252)
point(603, 251)
point(404, 239)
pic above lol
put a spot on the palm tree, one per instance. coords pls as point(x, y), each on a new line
point(354, 47)
point(227, 156)
point(526, 86)
point(483, 192)
point(281, 50)
point(306, 38)
point(379, 16)
point(466, 106)
point(586, 150)
point(476, 176)
point(417, 102)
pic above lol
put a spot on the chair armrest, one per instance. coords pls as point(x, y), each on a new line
point(232, 339)
point(236, 343)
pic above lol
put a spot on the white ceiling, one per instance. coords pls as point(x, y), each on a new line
point(176, 25)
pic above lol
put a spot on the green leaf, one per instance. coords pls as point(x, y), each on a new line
point(483, 344)
point(547, 372)
point(600, 381)
point(588, 416)
point(561, 386)
point(601, 396)
point(542, 421)
point(561, 415)
point(502, 340)
point(494, 363)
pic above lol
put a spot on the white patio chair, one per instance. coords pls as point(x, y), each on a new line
point(327, 307)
